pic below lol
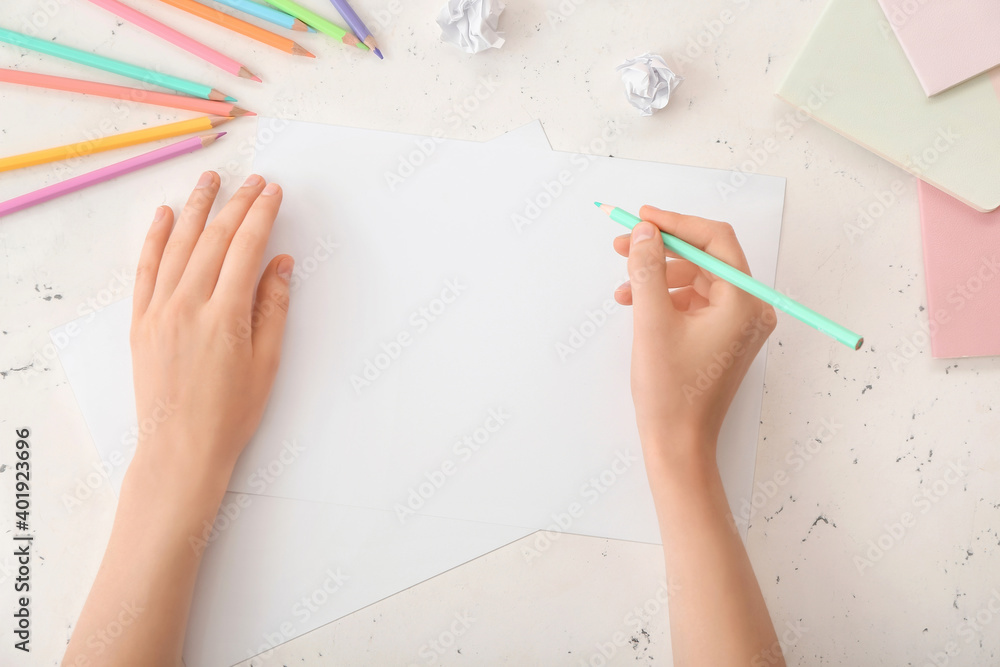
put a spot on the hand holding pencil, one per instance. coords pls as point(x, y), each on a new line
point(740, 278)
point(695, 335)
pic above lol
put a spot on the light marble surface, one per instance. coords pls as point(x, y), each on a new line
point(892, 421)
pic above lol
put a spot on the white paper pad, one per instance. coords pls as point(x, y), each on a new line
point(492, 264)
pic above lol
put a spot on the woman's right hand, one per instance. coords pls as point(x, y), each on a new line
point(695, 335)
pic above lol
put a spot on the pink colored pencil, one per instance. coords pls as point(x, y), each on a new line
point(106, 173)
point(122, 93)
point(176, 38)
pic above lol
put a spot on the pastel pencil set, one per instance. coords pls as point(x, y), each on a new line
point(214, 105)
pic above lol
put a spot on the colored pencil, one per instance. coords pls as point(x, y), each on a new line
point(116, 66)
point(176, 38)
point(318, 22)
point(240, 26)
point(741, 280)
point(122, 93)
point(106, 173)
point(111, 142)
point(357, 25)
point(266, 13)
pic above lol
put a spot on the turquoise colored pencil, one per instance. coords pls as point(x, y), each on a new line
point(736, 277)
point(116, 66)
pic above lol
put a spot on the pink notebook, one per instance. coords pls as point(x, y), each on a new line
point(946, 41)
point(962, 265)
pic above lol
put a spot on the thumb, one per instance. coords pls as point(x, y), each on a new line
point(647, 271)
point(269, 313)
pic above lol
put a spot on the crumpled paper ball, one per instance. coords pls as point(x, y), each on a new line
point(648, 82)
point(471, 25)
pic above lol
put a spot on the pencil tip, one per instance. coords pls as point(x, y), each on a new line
point(230, 99)
point(598, 204)
point(247, 74)
point(221, 134)
point(378, 53)
point(299, 51)
point(298, 24)
point(237, 112)
point(209, 139)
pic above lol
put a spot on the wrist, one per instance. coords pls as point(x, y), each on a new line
point(177, 471)
point(681, 459)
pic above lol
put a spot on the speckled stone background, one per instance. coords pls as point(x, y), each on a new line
point(874, 530)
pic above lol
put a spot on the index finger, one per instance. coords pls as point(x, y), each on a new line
point(716, 238)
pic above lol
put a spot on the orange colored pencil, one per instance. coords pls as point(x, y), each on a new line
point(122, 93)
point(240, 26)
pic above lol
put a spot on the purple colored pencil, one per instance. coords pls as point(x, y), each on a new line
point(106, 173)
point(356, 25)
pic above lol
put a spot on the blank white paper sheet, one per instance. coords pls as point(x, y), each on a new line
point(455, 373)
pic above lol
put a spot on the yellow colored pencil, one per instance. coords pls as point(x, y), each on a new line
point(112, 142)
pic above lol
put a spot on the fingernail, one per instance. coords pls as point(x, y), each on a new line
point(643, 232)
point(285, 267)
point(271, 189)
point(624, 286)
point(206, 181)
point(160, 212)
point(253, 181)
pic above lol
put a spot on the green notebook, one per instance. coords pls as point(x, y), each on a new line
point(853, 77)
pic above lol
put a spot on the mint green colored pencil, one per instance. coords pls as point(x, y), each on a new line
point(736, 277)
point(316, 21)
point(116, 66)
